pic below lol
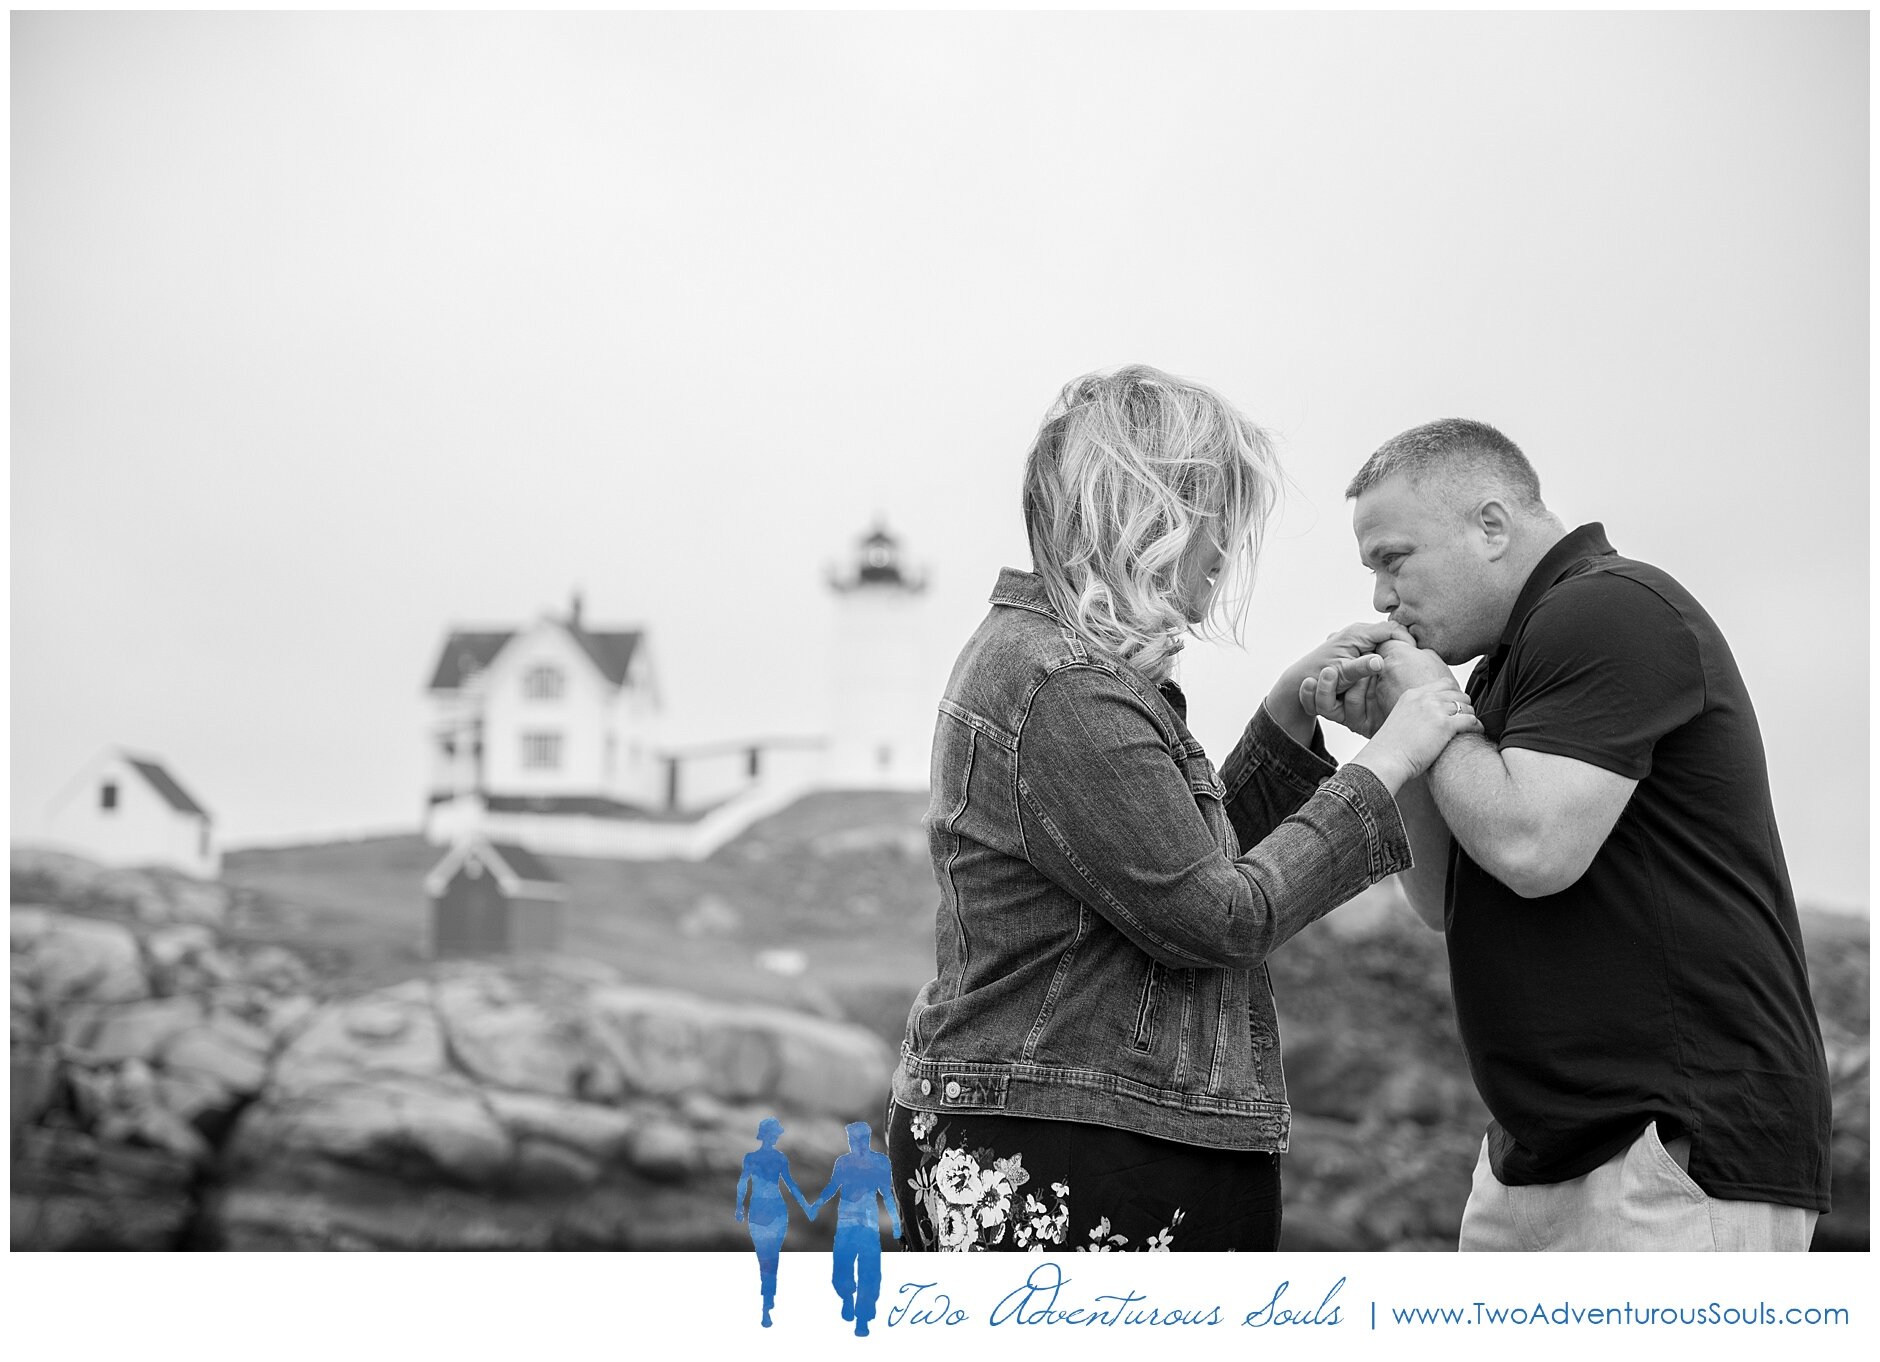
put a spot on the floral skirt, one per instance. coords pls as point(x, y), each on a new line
point(968, 1182)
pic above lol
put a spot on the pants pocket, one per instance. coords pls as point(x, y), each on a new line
point(1669, 1167)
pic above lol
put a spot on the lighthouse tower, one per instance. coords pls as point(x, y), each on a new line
point(883, 691)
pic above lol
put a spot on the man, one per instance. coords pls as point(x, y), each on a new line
point(1623, 944)
point(860, 1176)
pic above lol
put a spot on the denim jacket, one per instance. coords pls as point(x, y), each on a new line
point(1107, 901)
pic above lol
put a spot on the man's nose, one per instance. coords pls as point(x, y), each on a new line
point(1383, 598)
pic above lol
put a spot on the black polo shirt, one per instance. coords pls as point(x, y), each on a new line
point(1668, 983)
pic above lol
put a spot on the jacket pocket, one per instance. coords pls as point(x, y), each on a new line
point(1147, 1003)
point(1211, 798)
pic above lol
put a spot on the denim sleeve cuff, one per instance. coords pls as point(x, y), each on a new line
point(1384, 834)
point(1266, 745)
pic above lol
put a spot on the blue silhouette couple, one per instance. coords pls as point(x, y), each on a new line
point(858, 1178)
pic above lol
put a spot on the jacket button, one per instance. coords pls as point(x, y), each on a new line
point(926, 1086)
point(953, 1091)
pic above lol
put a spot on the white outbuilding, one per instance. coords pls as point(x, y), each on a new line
point(131, 810)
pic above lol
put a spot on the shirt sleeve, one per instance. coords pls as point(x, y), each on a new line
point(1108, 815)
point(1604, 667)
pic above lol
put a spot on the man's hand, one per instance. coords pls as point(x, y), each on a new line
point(1350, 652)
point(1361, 693)
point(1406, 665)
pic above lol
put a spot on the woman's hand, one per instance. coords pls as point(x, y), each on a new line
point(1350, 658)
point(1417, 730)
point(1348, 694)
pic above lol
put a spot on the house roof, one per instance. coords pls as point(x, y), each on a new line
point(612, 650)
point(465, 653)
point(166, 785)
point(519, 871)
point(526, 864)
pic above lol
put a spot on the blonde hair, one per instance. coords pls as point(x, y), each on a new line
point(1131, 473)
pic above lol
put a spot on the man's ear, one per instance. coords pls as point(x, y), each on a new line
point(1495, 525)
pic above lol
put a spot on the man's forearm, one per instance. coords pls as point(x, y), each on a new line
point(1485, 809)
point(1425, 882)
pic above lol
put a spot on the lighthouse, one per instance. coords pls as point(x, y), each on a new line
point(883, 689)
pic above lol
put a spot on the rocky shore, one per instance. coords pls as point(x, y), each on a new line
point(177, 1084)
point(173, 1091)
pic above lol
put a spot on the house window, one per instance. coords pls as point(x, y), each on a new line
point(202, 840)
point(542, 683)
point(541, 751)
point(107, 795)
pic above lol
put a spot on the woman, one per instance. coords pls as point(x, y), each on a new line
point(1096, 1064)
point(766, 1173)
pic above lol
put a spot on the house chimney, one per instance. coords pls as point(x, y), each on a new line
point(574, 609)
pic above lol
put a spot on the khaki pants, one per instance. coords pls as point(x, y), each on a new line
point(1640, 1200)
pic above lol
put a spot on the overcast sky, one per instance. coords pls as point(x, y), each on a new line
point(333, 331)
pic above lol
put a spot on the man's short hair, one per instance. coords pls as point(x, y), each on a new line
point(1468, 452)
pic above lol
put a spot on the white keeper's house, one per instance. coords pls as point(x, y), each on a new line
point(549, 735)
point(129, 809)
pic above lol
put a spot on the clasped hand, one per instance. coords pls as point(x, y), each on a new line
point(1374, 680)
point(1359, 692)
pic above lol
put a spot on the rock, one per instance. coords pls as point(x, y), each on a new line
point(743, 1062)
point(72, 1191)
point(543, 1165)
point(33, 1085)
point(457, 1132)
point(281, 1017)
point(663, 1150)
point(600, 1133)
point(66, 881)
point(123, 1105)
point(156, 1127)
point(277, 970)
point(85, 960)
point(510, 1041)
point(127, 1030)
point(27, 924)
point(825, 1067)
point(670, 1043)
point(170, 946)
point(413, 1127)
point(239, 1030)
point(93, 1091)
point(703, 1110)
point(654, 1035)
point(220, 1053)
point(348, 1041)
point(191, 1096)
